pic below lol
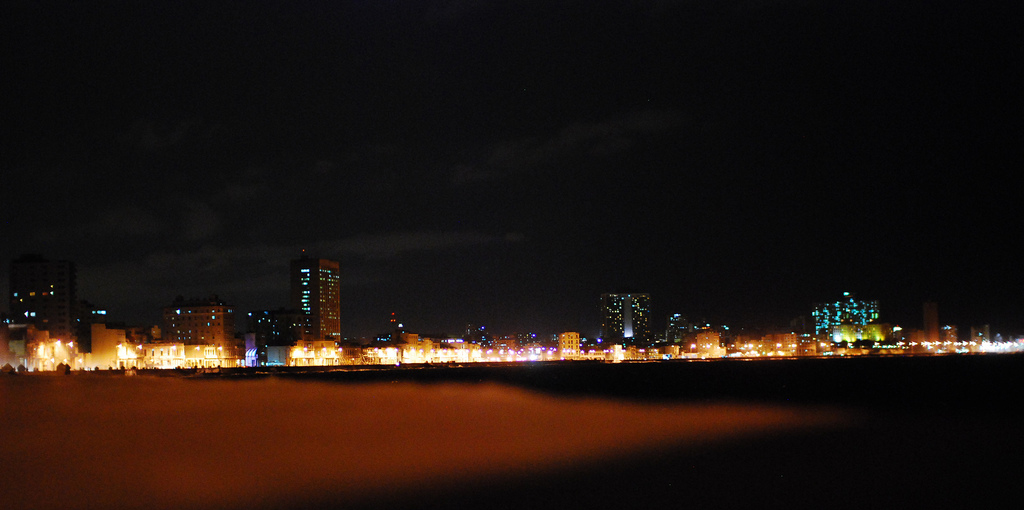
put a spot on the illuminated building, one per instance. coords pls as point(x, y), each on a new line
point(314, 353)
point(163, 355)
point(810, 345)
point(707, 343)
point(198, 333)
point(569, 345)
point(105, 342)
point(869, 333)
point(413, 349)
point(316, 294)
point(779, 344)
point(6, 355)
point(217, 355)
point(845, 311)
point(625, 318)
point(669, 351)
point(36, 350)
point(199, 322)
point(43, 293)
point(744, 345)
point(46, 355)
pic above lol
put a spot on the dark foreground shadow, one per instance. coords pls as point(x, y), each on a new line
point(885, 462)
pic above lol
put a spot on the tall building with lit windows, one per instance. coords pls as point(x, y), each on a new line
point(847, 310)
point(43, 293)
point(625, 318)
point(316, 295)
point(677, 327)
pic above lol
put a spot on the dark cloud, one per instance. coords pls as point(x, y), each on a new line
point(124, 221)
point(201, 222)
point(589, 140)
point(392, 244)
point(148, 136)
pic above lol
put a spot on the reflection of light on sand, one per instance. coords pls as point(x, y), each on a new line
point(81, 441)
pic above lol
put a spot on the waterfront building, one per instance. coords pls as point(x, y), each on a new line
point(315, 353)
point(875, 334)
point(199, 322)
point(569, 345)
point(38, 351)
point(105, 341)
point(166, 355)
point(778, 344)
point(707, 343)
point(210, 355)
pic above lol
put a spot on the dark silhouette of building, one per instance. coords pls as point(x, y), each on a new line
point(274, 328)
point(931, 322)
point(44, 293)
point(677, 327)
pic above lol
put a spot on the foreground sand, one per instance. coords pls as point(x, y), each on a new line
point(145, 442)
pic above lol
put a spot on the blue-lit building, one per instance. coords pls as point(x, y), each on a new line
point(625, 319)
point(847, 310)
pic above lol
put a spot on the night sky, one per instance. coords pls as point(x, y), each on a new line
point(504, 163)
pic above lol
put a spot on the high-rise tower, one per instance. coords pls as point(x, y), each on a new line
point(625, 318)
point(847, 310)
point(316, 290)
point(43, 293)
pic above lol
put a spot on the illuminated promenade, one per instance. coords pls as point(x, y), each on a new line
point(44, 354)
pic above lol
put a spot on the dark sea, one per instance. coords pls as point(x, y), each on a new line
point(930, 432)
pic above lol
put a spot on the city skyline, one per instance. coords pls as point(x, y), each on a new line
point(506, 165)
point(314, 309)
